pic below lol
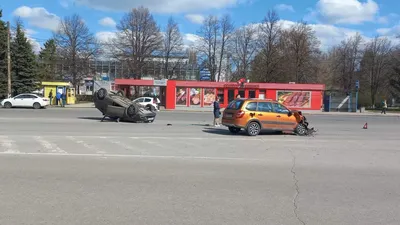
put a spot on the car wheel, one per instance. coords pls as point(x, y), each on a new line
point(253, 129)
point(301, 129)
point(7, 105)
point(151, 108)
point(36, 105)
point(101, 93)
point(234, 130)
point(131, 111)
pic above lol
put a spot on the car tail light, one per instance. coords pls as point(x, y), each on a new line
point(240, 114)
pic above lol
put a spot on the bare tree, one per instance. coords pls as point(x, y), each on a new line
point(137, 40)
point(243, 49)
point(266, 66)
point(76, 45)
point(208, 42)
point(301, 50)
point(173, 43)
point(227, 28)
point(376, 65)
point(346, 62)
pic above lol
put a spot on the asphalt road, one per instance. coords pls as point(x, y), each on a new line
point(63, 166)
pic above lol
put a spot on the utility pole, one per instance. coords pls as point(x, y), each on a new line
point(8, 59)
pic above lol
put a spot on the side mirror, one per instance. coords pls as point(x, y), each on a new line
point(290, 113)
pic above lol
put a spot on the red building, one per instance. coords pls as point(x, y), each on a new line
point(175, 93)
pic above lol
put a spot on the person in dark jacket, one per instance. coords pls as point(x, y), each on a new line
point(51, 97)
point(217, 112)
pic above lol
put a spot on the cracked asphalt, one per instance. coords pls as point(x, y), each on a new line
point(62, 166)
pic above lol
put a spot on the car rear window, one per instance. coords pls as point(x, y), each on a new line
point(236, 104)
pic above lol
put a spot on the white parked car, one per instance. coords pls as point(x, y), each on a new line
point(148, 102)
point(26, 100)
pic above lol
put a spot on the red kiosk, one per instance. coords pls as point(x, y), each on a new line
point(178, 94)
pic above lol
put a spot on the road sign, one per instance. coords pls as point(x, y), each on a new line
point(357, 84)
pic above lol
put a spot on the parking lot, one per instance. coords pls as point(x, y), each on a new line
point(342, 175)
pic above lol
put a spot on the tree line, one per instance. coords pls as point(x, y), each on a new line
point(261, 52)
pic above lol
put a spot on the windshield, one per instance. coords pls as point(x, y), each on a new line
point(236, 104)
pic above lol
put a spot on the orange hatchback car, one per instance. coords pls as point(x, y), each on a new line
point(256, 115)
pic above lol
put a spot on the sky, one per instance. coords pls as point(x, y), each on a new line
point(332, 20)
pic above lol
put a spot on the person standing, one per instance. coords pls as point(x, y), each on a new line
point(58, 98)
point(217, 112)
point(63, 99)
point(384, 107)
point(51, 97)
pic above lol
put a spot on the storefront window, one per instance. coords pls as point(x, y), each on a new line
point(231, 95)
point(209, 96)
point(221, 96)
point(241, 93)
point(252, 94)
point(195, 94)
point(181, 96)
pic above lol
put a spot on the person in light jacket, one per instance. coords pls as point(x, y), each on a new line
point(384, 107)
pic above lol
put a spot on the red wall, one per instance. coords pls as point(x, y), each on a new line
point(269, 88)
point(171, 92)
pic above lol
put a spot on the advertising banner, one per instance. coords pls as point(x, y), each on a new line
point(195, 94)
point(181, 96)
point(209, 96)
point(295, 99)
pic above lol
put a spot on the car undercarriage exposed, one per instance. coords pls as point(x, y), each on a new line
point(116, 106)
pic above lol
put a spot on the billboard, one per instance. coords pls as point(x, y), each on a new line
point(295, 99)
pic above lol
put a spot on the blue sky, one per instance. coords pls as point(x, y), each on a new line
point(333, 20)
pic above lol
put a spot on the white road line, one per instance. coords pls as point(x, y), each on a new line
point(122, 145)
point(153, 143)
point(139, 156)
point(49, 146)
point(8, 145)
point(84, 144)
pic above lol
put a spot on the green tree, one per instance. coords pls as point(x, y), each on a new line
point(48, 61)
point(3, 56)
point(23, 63)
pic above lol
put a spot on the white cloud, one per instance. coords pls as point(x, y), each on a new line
point(160, 6)
point(346, 11)
point(107, 22)
point(195, 18)
point(38, 17)
point(284, 7)
point(64, 4)
point(105, 36)
point(392, 31)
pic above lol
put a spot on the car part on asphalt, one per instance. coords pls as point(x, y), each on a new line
point(116, 106)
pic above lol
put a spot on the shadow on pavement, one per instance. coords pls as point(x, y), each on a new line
point(92, 118)
point(226, 132)
point(201, 125)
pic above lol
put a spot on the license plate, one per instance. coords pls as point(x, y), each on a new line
point(228, 115)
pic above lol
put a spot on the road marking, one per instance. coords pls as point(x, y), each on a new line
point(84, 144)
point(8, 145)
point(122, 145)
point(139, 156)
point(49, 146)
point(153, 143)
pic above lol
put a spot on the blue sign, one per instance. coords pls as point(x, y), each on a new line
point(205, 75)
point(357, 84)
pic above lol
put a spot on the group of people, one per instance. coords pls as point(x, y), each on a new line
point(217, 111)
point(61, 98)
